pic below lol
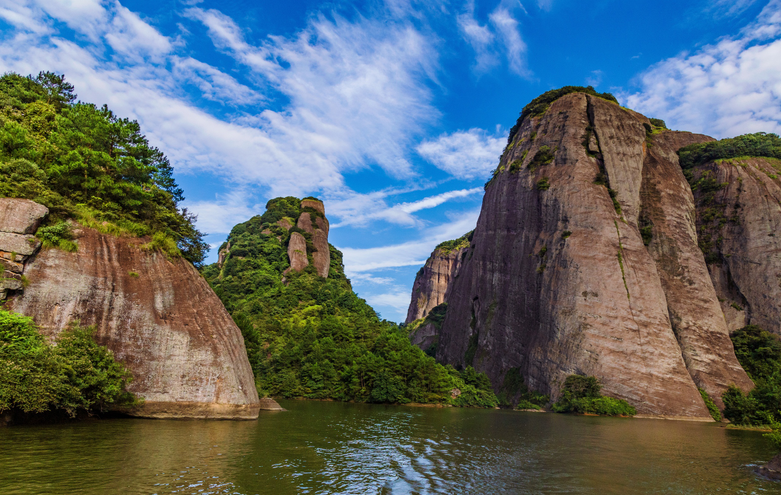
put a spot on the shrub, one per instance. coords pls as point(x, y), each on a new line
point(658, 123)
point(543, 157)
point(581, 394)
point(712, 409)
point(58, 235)
point(75, 375)
point(543, 184)
point(759, 353)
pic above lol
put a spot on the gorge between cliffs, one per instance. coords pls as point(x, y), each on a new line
point(617, 269)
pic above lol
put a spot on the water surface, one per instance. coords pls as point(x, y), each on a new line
point(328, 447)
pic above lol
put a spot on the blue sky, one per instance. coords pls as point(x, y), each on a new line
point(394, 112)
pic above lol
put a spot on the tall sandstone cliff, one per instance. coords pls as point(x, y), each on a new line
point(158, 316)
point(585, 260)
point(739, 221)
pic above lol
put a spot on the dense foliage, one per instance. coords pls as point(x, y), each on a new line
point(74, 375)
point(313, 337)
point(759, 353)
point(757, 144)
point(581, 394)
point(455, 244)
point(539, 105)
point(85, 163)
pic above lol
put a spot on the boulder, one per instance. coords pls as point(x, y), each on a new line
point(22, 245)
point(21, 216)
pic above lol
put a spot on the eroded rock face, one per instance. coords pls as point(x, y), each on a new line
point(315, 224)
point(433, 282)
point(559, 280)
point(692, 302)
point(739, 220)
point(321, 256)
point(159, 317)
point(296, 252)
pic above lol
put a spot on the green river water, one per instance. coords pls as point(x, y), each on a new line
point(329, 447)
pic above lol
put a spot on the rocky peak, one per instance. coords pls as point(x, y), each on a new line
point(311, 221)
point(435, 278)
point(585, 261)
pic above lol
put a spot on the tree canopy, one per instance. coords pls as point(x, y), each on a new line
point(86, 163)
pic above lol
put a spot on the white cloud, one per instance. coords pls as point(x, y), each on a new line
point(480, 38)
point(356, 90)
point(728, 8)
point(464, 154)
point(214, 84)
point(360, 209)
point(222, 214)
point(501, 33)
point(413, 253)
point(514, 45)
point(726, 89)
point(132, 37)
point(398, 299)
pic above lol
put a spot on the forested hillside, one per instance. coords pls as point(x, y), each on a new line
point(85, 163)
point(313, 337)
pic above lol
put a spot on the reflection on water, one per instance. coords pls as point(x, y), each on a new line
point(325, 447)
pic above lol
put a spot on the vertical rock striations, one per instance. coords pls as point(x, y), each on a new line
point(313, 223)
point(158, 316)
point(433, 281)
point(558, 279)
point(739, 224)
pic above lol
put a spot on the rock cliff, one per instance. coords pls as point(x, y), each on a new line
point(313, 224)
point(585, 260)
point(739, 222)
point(158, 316)
point(435, 277)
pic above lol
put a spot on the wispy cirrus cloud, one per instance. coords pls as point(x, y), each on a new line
point(725, 89)
point(500, 34)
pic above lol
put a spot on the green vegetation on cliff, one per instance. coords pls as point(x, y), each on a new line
point(87, 164)
point(539, 105)
point(455, 244)
point(757, 144)
point(313, 337)
point(759, 353)
point(75, 375)
point(581, 394)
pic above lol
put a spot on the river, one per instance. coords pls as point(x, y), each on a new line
point(329, 447)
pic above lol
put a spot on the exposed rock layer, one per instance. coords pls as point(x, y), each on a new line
point(558, 280)
point(741, 229)
point(158, 316)
point(316, 225)
point(433, 282)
